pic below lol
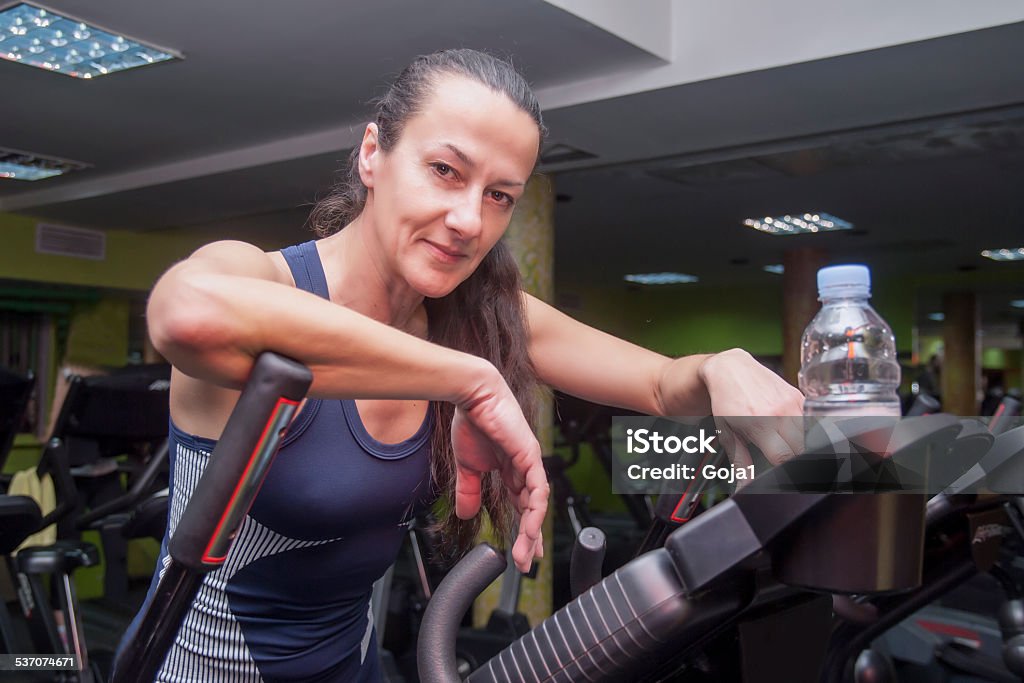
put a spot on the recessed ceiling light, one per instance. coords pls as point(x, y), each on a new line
point(1015, 254)
point(20, 172)
point(55, 42)
point(660, 278)
point(777, 268)
point(937, 317)
point(1017, 303)
point(797, 224)
point(28, 166)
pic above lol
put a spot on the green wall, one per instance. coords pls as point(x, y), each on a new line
point(98, 334)
point(681, 319)
point(685, 319)
point(133, 260)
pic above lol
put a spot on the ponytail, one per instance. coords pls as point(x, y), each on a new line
point(484, 316)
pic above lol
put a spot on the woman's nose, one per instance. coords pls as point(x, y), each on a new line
point(464, 216)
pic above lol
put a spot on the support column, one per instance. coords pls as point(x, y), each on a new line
point(531, 237)
point(799, 303)
point(961, 366)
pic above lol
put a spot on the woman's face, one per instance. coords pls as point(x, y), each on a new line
point(444, 194)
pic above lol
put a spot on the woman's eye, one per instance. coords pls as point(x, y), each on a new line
point(442, 169)
point(502, 197)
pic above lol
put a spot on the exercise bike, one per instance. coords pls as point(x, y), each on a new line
point(744, 591)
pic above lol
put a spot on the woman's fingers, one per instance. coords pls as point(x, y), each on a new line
point(523, 552)
point(728, 439)
point(534, 501)
point(792, 430)
point(778, 438)
point(494, 435)
point(764, 434)
point(740, 459)
point(467, 493)
point(530, 542)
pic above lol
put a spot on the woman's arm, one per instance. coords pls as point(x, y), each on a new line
point(212, 314)
point(598, 367)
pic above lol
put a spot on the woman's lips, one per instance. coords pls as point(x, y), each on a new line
point(445, 254)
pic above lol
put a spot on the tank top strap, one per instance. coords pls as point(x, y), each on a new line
point(304, 262)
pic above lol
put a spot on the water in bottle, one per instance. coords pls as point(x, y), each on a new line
point(848, 353)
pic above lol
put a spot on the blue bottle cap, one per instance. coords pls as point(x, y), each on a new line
point(844, 281)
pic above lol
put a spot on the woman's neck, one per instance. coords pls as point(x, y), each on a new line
point(359, 279)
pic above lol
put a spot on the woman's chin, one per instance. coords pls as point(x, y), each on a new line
point(436, 289)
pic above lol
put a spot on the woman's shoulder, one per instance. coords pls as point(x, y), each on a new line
point(235, 257)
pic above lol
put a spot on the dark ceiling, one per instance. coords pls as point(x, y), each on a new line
point(919, 145)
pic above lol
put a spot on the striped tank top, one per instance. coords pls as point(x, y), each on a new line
point(292, 601)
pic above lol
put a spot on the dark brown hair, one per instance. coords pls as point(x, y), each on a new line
point(485, 314)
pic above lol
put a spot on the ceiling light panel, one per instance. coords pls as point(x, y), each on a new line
point(27, 166)
point(798, 224)
point(776, 269)
point(1016, 254)
point(42, 38)
point(660, 278)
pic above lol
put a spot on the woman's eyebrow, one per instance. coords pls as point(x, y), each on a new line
point(460, 154)
point(472, 164)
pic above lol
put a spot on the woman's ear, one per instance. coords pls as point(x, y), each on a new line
point(368, 154)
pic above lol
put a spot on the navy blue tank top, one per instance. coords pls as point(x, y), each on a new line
point(292, 601)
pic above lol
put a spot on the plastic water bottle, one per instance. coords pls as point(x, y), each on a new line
point(848, 353)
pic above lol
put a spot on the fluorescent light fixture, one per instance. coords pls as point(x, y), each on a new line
point(795, 225)
point(777, 269)
point(19, 172)
point(1016, 254)
point(28, 166)
point(660, 278)
point(937, 317)
point(48, 40)
point(1017, 303)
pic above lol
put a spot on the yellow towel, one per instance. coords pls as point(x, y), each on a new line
point(26, 483)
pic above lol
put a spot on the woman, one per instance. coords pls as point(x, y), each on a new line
point(413, 315)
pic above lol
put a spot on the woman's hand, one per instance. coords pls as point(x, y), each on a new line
point(753, 405)
point(489, 432)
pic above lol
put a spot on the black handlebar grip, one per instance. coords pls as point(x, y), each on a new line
point(239, 462)
point(586, 560)
point(1013, 655)
point(924, 404)
point(671, 510)
point(667, 505)
point(621, 629)
point(1008, 408)
point(435, 651)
